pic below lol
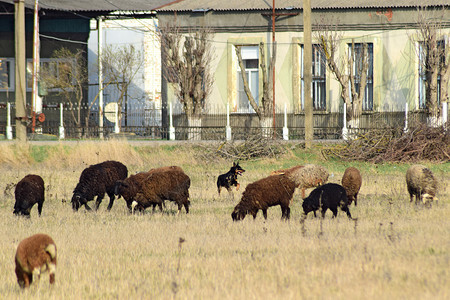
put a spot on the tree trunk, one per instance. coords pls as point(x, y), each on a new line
point(194, 130)
point(266, 126)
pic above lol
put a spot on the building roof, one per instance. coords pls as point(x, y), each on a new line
point(96, 5)
point(230, 5)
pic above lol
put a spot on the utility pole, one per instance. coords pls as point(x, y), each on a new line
point(100, 78)
point(307, 73)
point(20, 86)
point(273, 68)
point(36, 101)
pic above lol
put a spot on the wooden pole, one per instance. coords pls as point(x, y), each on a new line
point(307, 73)
point(20, 82)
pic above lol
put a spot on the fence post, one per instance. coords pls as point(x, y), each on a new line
point(171, 128)
point(285, 128)
point(61, 122)
point(116, 118)
point(228, 128)
point(9, 135)
point(344, 128)
point(405, 130)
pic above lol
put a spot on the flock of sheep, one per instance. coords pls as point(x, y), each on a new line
point(37, 254)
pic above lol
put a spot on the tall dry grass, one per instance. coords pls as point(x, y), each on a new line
point(394, 251)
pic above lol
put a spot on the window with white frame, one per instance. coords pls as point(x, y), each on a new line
point(367, 104)
point(318, 88)
point(60, 69)
point(250, 59)
point(423, 74)
point(6, 74)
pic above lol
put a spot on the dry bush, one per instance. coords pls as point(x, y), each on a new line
point(419, 143)
point(255, 147)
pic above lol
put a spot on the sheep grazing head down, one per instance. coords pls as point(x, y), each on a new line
point(421, 184)
point(34, 256)
point(77, 201)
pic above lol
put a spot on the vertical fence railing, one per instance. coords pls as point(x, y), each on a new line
point(145, 121)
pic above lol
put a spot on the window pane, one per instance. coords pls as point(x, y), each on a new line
point(5, 74)
point(318, 85)
point(357, 65)
point(29, 74)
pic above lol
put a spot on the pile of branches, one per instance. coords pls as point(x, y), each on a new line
point(419, 143)
point(254, 147)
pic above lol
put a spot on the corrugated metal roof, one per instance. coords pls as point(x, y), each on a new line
point(97, 5)
point(224, 5)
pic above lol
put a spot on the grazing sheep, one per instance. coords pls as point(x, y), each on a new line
point(29, 191)
point(97, 180)
point(35, 255)
point(129, 187)
point(307, 176)
point(264, 193)
point(351, 181)
point(327, 196)
point(155, 186)
point(421, 184)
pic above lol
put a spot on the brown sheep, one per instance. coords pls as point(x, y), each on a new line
point(35, 255)
point(129, 187)
point(29, 191)
point(307, 176)
point(153, 187)
point(422, 184)
point(264, 193)
point(351, 181)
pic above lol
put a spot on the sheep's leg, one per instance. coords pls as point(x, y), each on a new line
point(186, 206)
point(264, 213)
point(356, 199)
point(111, 201)
point(51, 269)
point(98, 201)
point(286, 213)
point(334, 210)
point(22, 278)
point(323, 213)
point(315, 216)
point(87, 207)
point(347, 211)
point(40, 204)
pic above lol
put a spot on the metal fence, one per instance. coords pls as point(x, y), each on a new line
point(147, 122)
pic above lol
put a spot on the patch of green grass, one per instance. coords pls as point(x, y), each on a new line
point(39, 153)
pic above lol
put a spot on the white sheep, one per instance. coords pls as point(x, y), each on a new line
point(307, 176)
point(422, 184)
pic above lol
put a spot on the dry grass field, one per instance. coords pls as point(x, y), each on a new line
point(394, 251)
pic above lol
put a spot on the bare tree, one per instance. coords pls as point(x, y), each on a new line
point(435, 53)
point(349, 68)
point(67, 75)
point(121, 64)
point(187, 65)
point(264, 110)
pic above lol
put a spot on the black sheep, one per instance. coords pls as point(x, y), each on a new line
point(327, 196)
point(266, 192)
point(97, 180)
point(29, 191)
